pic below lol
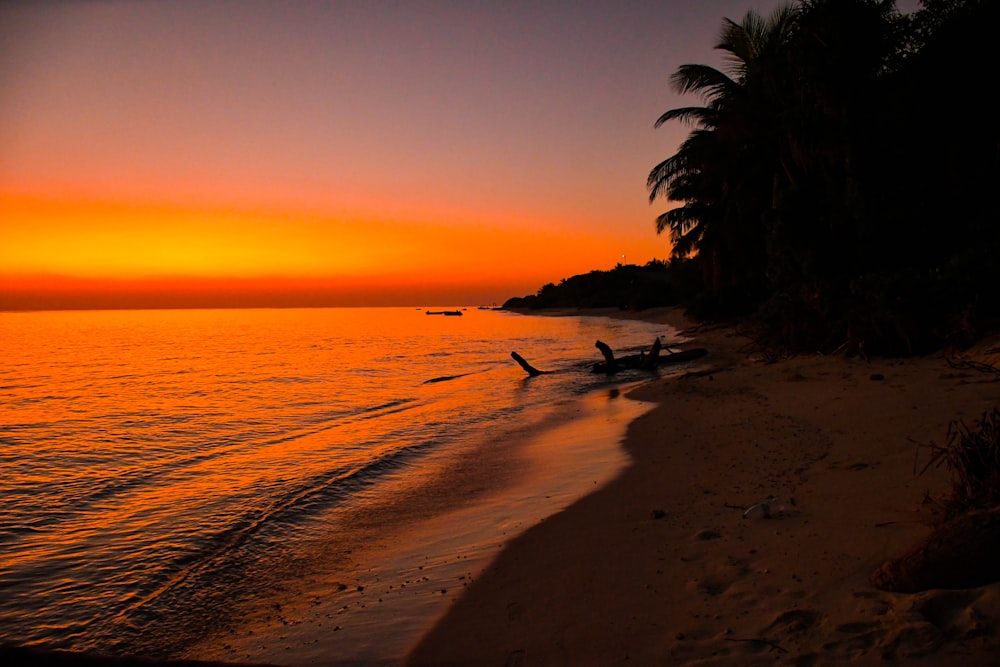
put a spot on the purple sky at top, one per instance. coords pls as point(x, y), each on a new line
point(503, 112)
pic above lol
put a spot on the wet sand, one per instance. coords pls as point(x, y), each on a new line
point(661, 567)
point(372, 608)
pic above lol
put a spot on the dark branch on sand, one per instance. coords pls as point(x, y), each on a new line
point(528, 368)
point(644, 360)
point(610, 366)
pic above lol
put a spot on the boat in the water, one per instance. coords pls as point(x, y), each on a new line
point(451, 313)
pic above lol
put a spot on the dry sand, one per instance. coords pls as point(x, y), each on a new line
point(661, 568)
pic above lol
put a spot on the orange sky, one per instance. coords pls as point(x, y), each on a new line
point(85, 247)
point(331, 153)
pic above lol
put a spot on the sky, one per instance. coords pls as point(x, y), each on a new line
point(175, 152)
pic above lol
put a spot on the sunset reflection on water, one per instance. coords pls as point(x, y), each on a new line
point(158, 463)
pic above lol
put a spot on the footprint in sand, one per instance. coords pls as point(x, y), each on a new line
point(962, 614)
point(710, 586)
point(912, 640)
point(855, 628)
point(792, 622)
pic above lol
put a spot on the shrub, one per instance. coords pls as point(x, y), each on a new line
point(973, 457)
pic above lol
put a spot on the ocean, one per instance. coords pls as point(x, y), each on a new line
point(222, 483)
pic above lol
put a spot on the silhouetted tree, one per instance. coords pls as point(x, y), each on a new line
point(724, 170)
point(825, 183)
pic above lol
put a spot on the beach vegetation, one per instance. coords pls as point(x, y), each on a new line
point(830, 186)
point(627, 287)
point(960, 553)
point(972, 456)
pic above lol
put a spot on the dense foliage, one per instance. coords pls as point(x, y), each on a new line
point(627, 286)
point(840, 178)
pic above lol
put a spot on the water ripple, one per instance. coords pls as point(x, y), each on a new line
point(152, 459)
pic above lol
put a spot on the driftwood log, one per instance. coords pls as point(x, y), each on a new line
point(528, 368)
point(961, 553)
point(643, 360)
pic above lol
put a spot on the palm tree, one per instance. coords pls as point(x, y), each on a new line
point(723, 173)
point(805, 178)
point(821, 229)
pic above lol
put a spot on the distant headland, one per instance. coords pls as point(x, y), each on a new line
point(627, 286)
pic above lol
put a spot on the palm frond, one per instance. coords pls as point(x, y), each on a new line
point(704, 116)
point(748, 42)
point(703, 79)
point(685, 226)
point(661, 176)
point(686, 244)
point(739, 42)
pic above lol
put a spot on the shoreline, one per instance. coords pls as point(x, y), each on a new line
point(397, 589)
point(304, 608)
point(450, 549)
point(659, 567)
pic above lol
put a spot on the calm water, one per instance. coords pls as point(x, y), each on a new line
point(157, 466)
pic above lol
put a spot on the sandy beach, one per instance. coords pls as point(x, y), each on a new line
point(661, 567)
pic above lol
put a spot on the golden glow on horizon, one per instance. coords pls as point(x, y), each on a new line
point(200, 248)
point(89, 239)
